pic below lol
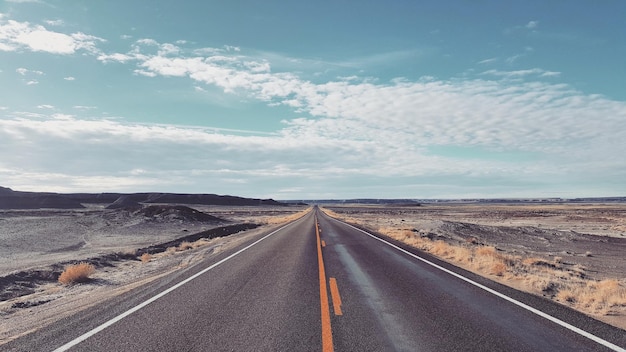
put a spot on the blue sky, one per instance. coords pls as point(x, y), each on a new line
point(325, 99)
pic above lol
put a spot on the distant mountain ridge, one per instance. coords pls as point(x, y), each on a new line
point(10, 199)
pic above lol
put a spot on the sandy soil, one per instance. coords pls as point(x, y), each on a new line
point(37, 241)
point(565, 242)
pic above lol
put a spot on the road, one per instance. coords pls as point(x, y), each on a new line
point(318, 284)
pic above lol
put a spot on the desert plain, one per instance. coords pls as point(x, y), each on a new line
point(572, 253)
point(129, 246)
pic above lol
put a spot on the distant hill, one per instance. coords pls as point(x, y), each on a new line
point(10, 199)
point(177, 212)
point(404, 202)
point(124, 202)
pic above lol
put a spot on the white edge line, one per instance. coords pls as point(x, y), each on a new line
point(105, 325)
point(494, 292)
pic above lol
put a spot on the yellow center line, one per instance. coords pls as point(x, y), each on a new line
point(334, 294)
point(327, 333)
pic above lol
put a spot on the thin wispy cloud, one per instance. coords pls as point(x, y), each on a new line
point(55, 22)
point(488, 61)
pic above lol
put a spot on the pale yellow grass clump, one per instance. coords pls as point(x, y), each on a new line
point(146, 257)
point(199, 243)
point(183, 246)
point(186, 245)
point(595, 296)
point(76, 273)
point(272, 220)
point(333, 214)
point(484, 259)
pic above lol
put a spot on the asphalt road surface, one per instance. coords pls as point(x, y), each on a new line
point(320, 285)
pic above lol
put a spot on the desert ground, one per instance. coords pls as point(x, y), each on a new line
point(572, 253)
point(127, 246)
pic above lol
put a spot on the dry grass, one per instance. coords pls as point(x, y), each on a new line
point(146, 258)
point(272, 220)
point(76, 273)
point(600, 297)
point(548, 277)
point(183, 246)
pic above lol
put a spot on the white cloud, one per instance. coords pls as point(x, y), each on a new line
point(168, 49)
point(521, 73)
point(32, 82)
point(23, 71)
point(147, 41)
point(69, 78)
point(145, 73)
point(55, 22)
point(43, 40)
point(512, 59)
point(45, 106)
point(429, 101)
point(532, 24)
point(63, 117)
point(16, 35)
point(116, 57)
point(488, 61)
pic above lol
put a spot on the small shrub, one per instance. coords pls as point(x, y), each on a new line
point(440, 248)
point(486, 251)
point(146, 257)
point(568, 296)
point(185, 246)
point(498, 268)
point(76, 273)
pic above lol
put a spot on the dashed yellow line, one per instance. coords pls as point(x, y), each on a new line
point(334, 294)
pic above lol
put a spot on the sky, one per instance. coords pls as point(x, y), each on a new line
point(315, 99)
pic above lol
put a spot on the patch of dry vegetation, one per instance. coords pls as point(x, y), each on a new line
point(273, 220)
point(551, 278)
point(183, 246)
point(601, 297)
point(146, 258)
point(76, 273)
